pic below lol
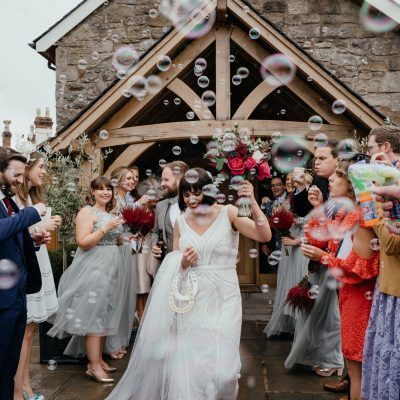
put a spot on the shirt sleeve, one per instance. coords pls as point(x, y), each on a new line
point(390, 244)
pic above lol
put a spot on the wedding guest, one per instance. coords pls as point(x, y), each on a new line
point(385, 139)
point(291, 269)
point(167, 210)
point(146, 262)
point(355, 266)
point(43, 304)
point(89, 292)
point(289, 183)
point(16, 245)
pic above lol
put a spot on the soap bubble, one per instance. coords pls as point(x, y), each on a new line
point(339, 106)
point(70, 186)
point(52, 365)
point(121, 74)
point(153, 13)
point(264, 288)
point(194, 139)
point(276, 137)
point(190, 115)
point(374, 20)
point(315, 122)
point(236, 80)
point(369, 295)
point(236, 182)
point(192, 176)
point(200, 64)
point(231, 58)
point(92, 297)
point(62, 79)
point(203, 81)
point(243, 72)
point(166, 102)
point(9, 274)
point(210, 190)
point(325, 260)
point(148, 172)
point(82, 64)
point(230, 197)
point(254, 33)
point(220, 198)
point(114, 182)
point(176, 150)
point(164, 63)
point(289, 153)
point(313, 293)
point(177, 101)
point(375, 244)
point(278, 70)
point(347, 149)
point(154, 84)
point(208, 98)
point(95, 56)
point(104, 135)
point(124, 58)
point(138, 85)
point(162, 163)
point(253, 253)
point(320, 140)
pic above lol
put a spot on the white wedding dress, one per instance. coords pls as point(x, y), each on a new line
point(191, 356)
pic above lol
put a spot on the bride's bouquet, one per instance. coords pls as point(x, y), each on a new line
point(282, 220)
point(140, 222)
point(239, 153)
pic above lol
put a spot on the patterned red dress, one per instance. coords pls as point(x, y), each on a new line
point(358, 277)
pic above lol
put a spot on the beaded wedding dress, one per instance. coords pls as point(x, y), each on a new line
point(192, 355)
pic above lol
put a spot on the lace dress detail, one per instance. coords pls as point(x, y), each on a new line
point(110, 238)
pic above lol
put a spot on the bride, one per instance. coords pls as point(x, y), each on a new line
point(187, 347)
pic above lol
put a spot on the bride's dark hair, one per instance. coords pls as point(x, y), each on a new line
point(204, 178)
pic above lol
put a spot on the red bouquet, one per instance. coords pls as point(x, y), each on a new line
point(282, 220)
point(140, 222)
point(302, 296)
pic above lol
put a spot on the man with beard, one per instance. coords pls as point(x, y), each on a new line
point(19, 269)
point(167, 210)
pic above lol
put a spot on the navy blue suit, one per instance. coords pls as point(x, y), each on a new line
point(16, 245)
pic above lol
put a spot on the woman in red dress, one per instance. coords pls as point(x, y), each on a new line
point(353, 262)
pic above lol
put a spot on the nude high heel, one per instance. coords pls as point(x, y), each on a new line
point(328, 371)
point(89, 372)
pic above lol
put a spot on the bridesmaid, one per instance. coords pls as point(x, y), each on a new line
point(90, 301)
point(146, 263)
point(41, 305)
point(125, 180)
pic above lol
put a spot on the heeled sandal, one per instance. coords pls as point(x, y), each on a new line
point(89, 372)
point(328, 371)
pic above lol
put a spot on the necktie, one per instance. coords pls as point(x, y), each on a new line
point(7, 202)
point(330, 208)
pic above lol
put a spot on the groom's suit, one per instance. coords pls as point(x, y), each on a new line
point(17, 246)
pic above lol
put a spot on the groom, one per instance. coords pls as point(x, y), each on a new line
point(167, 210)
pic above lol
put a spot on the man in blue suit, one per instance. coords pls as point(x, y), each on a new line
point(19, 270)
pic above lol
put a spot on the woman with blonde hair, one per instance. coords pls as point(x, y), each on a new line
point(43, 304)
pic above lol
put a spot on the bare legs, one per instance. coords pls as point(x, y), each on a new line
point(94, 351)
point(141, 304)
point(354, 369)
point(21, 379)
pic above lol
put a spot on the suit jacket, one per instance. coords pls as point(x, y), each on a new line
point(17, 245)
point(163, 222)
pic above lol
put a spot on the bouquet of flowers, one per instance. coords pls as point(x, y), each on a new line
point(302, 296)
point(282, 220)
point(140, 222)
point(239, 154)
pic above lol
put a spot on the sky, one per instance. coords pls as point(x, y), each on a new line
point(25, 81)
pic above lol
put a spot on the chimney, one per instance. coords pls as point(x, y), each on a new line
point(32, 136)
point(7, 133)
point(43, 126)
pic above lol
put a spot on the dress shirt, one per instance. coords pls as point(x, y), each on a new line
point(174, 212)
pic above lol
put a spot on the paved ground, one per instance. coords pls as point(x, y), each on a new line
point(263, 374)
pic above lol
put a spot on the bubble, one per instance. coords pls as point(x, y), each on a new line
point(324, 29)
point(331, 281)
point(190, 115)
point(194, 139)
point(243, 72)
point(9, 274)
point(373, 20)
point(208, 98)
point(154, 84)
point(82, 64)
point(72, 254)
point(309, 79)
point(325, 260)
point(115, 38)
point(177, 101)
point(236, 182)
point(148, 172)
point(176, 150)
point(313, 293)
point(153, 13)
point(210, 190)
point(138, 85)
point(320, 140)
point(261, 221)
point(246, 9)
point(162, 163)
point(92, 297)
point(275, 220)
point(236, 80)
point(375, 244)
point(264, 288)
point(104, 135)
point(62, 78)
point(251, 380)
point(69, 313)
point(315, 122)
point(278, 70)
point(127, 93)
point(369, 295)
point(203, 81)
point(124, 58)
point(230, 197)
point(164, 63)
point(283, 111)
point(220, 198)
point(80, 97)
point(200, 64)
point(95, 56)
point(272, 260)
point(253, 253)
point(166, 102)
point(52, 365)
point(78, 323)
point(70, 186)
point(276, 137)
point(231, 58)
point(151, 194)
point(277, 254)
point(339, 106)
point(289, 153)
point(192, 176)
point(254, 33)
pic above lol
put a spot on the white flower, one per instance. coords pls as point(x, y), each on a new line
point(258, 156)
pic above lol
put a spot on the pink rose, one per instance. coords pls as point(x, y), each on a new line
point(264, 171)
point(250, 163)
point(236, 166)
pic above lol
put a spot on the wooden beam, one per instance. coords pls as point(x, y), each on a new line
point(88, 120)
point(223, 72)
point(304, 62)
point(222, 8)
point(251, 102)
point(320, 106)
point(190, 97)
point(205, 129)
point(128, 156)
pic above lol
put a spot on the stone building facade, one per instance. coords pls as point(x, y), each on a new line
point(329, 31)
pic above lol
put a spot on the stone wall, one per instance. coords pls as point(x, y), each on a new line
point(328, 30)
